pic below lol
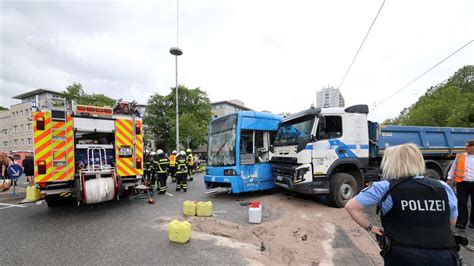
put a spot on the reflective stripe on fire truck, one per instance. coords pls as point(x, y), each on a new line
point(42, 145)
point(139, 145)
point(124, 138)
point(70, 148)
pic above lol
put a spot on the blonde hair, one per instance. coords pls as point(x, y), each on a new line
point(402, 161)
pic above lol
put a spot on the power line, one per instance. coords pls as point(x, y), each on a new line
point(424, 73)
point(357, 53)
point(360, 47)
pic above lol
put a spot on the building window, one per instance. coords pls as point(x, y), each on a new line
point(30, 141)
point(28, 127)
point(29, 112)
point(5, 144)
point(15, 129)
point(5, 132)
point(21, 128)
point(15, 143)
point(21, 113)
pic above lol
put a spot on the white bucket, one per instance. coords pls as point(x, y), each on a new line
point(99, 190)
point(255, 213)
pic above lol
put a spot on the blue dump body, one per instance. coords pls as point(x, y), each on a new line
point(433, 141)
point(238, 156)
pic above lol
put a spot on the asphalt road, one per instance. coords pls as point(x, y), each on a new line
point(128, 231)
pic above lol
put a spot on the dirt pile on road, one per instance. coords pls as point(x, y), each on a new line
point(304, 232)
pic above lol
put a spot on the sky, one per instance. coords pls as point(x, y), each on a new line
point(272, 55)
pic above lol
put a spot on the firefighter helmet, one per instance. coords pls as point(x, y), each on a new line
point(174, 152)
point(189, 150)
point(159, 151)
point(182, 153)
point(152, 153)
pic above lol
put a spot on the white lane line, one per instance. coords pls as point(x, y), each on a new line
point(169, 194)
point(8, 207)
point(11, 205)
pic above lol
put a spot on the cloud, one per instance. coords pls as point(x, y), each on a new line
point(272, 55)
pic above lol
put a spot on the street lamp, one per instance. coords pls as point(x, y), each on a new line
point(176, 52)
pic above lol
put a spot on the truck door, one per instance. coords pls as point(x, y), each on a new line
point(42, 135)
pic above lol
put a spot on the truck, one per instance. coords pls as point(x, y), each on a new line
point(86, 154)
point(238, 158)
point(335, 152)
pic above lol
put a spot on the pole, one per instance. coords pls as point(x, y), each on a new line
point(177, 108)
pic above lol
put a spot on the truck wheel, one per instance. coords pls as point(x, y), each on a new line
point(432, 173)
point(342, 188)
point(53, 201)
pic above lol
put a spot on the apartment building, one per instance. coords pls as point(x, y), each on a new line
point(227, 107)
point(16, 124)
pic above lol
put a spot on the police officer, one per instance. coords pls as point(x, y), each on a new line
point(190, 159)
point(172, 165)
point(416, 211)
point(161, 168)
point(182, 171)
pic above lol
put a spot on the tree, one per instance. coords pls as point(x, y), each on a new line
point(449, 104)
point(194, 117)
point(76, 93)
point(3, 108)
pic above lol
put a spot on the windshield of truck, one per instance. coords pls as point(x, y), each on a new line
point(294, 132)
point(221, 150)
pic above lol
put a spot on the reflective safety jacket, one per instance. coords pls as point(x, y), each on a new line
point(161, 164)
point(460, 167)
point(181, 162)
point(172, 160)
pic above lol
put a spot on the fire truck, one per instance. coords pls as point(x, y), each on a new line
point(87, 154)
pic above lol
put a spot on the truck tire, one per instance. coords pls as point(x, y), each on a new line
point(432, 173)
point(53, 201)
point(342, 188)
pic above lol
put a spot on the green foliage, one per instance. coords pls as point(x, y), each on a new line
point(449, 104)
point(76, 93)
point(3, 108)
point(194, 117)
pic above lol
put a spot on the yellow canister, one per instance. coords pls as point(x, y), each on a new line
point(33, 193)
point(179, 232)
point(189, 208)
point(204, 208)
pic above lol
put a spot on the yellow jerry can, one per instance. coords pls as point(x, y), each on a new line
point(33, 193)
point(179, 232)
point(204, 208)
point(189, 208)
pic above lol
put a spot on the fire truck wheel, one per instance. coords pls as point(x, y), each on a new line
point(53, 201)
point(342, 188)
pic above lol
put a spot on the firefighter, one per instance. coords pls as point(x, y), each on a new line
point(161, 167)
point(190, 160)
point(172, 166)
point(147, 168)
point(152, 170)
point(181, 172)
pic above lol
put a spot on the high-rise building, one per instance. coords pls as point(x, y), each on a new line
point(329, 97)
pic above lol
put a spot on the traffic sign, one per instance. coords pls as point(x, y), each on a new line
point(15, 171)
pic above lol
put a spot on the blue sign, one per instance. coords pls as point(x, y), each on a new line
point(14, 171)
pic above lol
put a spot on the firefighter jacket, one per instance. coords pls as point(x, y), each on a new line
point(420, 216)
point(161, 164)
point(148, 163)
point(181, 163)
point(172, 160)
point(190, 159)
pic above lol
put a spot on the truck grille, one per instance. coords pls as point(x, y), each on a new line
point(285, 160)
point(284, 170)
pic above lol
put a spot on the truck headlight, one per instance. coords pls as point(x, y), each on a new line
point(299, 174)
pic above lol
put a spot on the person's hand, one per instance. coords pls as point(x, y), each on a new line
point(377, 230)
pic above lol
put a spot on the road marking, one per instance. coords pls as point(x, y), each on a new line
point(10, 206)
point(169, 194)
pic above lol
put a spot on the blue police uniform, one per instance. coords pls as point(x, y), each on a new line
point(413, 244)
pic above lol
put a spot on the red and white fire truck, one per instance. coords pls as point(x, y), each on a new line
point(87, 154)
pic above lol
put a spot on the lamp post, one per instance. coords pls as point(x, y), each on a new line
point(176, 52)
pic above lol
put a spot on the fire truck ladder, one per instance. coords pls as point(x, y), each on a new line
point(59, 138)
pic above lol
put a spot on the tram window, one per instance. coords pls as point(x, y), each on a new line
point(247, 147)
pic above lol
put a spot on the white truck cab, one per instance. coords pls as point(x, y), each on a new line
point(323, 151)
